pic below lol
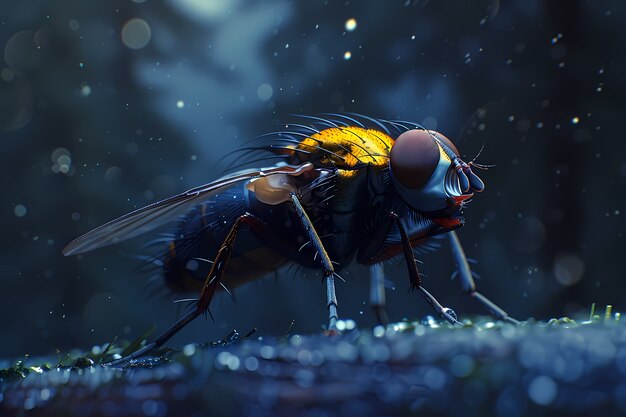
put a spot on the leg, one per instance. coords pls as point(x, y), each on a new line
point(327, 265)
point(414, 276)
point(377, 292)
point(467, 282)
point(212, 282)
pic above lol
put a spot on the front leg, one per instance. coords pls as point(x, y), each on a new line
point(414, 276)
point(322, 255)
point(467, 281)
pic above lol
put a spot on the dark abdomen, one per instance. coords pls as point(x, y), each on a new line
point(198, 237)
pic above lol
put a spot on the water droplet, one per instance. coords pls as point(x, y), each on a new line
point(347, 55)
point(180, 104)
point(575, 120)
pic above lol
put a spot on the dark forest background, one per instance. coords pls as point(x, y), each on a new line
point(106, 106)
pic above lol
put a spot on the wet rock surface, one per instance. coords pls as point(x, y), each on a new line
point(405, 369)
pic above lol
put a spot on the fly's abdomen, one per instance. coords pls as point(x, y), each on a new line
point(198, 237)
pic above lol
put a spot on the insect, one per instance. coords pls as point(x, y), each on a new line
point(346, 187)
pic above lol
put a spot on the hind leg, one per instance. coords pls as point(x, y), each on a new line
point(211, 284)
point(468, 285)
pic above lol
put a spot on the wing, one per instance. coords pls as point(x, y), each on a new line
point(157, 214)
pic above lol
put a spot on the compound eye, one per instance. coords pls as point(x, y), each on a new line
point(414, 157)
point(446, 142)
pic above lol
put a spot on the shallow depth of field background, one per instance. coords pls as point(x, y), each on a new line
point(108, 106)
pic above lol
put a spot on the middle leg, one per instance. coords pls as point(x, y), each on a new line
point(322, 255)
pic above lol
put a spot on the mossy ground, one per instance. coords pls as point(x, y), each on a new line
point(409, 368)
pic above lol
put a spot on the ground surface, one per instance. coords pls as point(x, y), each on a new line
point(421, 369)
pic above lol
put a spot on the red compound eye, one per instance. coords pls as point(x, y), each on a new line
point(414, 157)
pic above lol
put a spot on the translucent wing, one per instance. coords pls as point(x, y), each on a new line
point(157, 214)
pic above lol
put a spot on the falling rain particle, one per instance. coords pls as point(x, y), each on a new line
point(20, 210)
point(350, 24)
point(180, 104)
point(347, 55)
point(136, 33)
point(265, 92)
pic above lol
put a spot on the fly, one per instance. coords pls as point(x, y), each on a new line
point(347, 187)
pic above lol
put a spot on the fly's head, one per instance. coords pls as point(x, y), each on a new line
point(430, 176)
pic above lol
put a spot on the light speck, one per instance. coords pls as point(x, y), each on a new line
point(265, 92)
point(136, 33)
point(20, 210)
point(180, 104)
point(350, 24)
point(575, 120)
point(62, 160)
point(542, 390)
point(85, 90)
point(189, 350)
point(347, 55)
point(7, 74)
point(568, 269)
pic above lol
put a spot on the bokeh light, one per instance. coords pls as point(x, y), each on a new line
point(136, 33)
point(350, 24)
